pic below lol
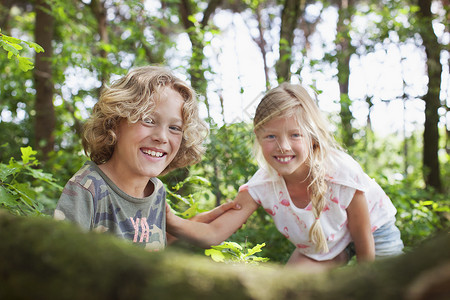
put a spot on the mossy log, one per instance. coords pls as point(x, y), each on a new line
point(45, 259)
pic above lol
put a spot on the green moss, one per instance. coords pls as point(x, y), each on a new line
point(46, 259)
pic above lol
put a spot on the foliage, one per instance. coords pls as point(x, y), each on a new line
point(260, 228)
point(420, 213)
point(228, 162)
point(231, 252)
point(194, 202)
point(22, 185)
point(13, 46)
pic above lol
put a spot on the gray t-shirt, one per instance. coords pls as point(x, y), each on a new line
point(94, 202)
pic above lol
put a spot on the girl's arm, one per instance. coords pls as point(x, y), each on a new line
point(360, 228)
point(208, 234)
point(205, 217)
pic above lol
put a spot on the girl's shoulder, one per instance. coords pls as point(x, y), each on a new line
point(263, 176)
point(345, 170)
point(261, 179)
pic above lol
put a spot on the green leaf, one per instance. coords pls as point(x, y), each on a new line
point(193, 19)
point(25, 64)
point(35, 46)
point(12, 50)
point(6, 171)
point(255, 249)
point(259, 259)
point(190, 212)
point(7, 198)
point(27, 194)
point(27, 154)
point(11, 39)
point(39, 174)
point(233, 247)
point(216, 255)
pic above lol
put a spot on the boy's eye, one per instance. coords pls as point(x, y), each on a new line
point(177, 129)
point(148, 120)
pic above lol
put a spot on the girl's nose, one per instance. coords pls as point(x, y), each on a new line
point(283, 145)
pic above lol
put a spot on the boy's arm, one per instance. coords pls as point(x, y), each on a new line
point(360, 228)
point(213, 233)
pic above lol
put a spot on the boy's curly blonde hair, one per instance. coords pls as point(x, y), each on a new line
point(133, 97)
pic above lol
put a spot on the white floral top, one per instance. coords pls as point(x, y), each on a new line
point(344, 178)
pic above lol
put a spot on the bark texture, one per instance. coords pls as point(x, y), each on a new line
point(345, 51)
point(45, 120)
point(431, 166)
point(46, 259)
point(292, 10)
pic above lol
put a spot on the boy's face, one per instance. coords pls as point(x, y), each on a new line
point(146, 148)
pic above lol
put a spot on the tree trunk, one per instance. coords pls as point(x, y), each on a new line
point(45, 120)
point(431, 168)
point(5, 7)
point(46, 259)
point(99, 11)
point(261, 42)
point(345, 50)
point(195, 34)
point(289, 22)
point(196, 67)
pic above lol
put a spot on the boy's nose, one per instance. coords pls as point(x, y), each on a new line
point(160, 136)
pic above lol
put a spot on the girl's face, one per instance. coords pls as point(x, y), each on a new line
point(284, 146)
point(144, 149)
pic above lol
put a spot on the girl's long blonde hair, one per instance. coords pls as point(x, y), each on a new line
point(133, 97)
point(293, 100)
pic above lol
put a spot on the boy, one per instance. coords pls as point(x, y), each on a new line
point(144, 125)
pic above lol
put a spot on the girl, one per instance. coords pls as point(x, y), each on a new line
point(319, 197)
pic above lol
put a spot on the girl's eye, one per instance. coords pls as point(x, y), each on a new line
point(296, 135)
point(270, 136)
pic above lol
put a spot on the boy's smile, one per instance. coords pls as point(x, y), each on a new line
point(153, 153)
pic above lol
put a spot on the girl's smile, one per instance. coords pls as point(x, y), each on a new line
point(284, 159)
